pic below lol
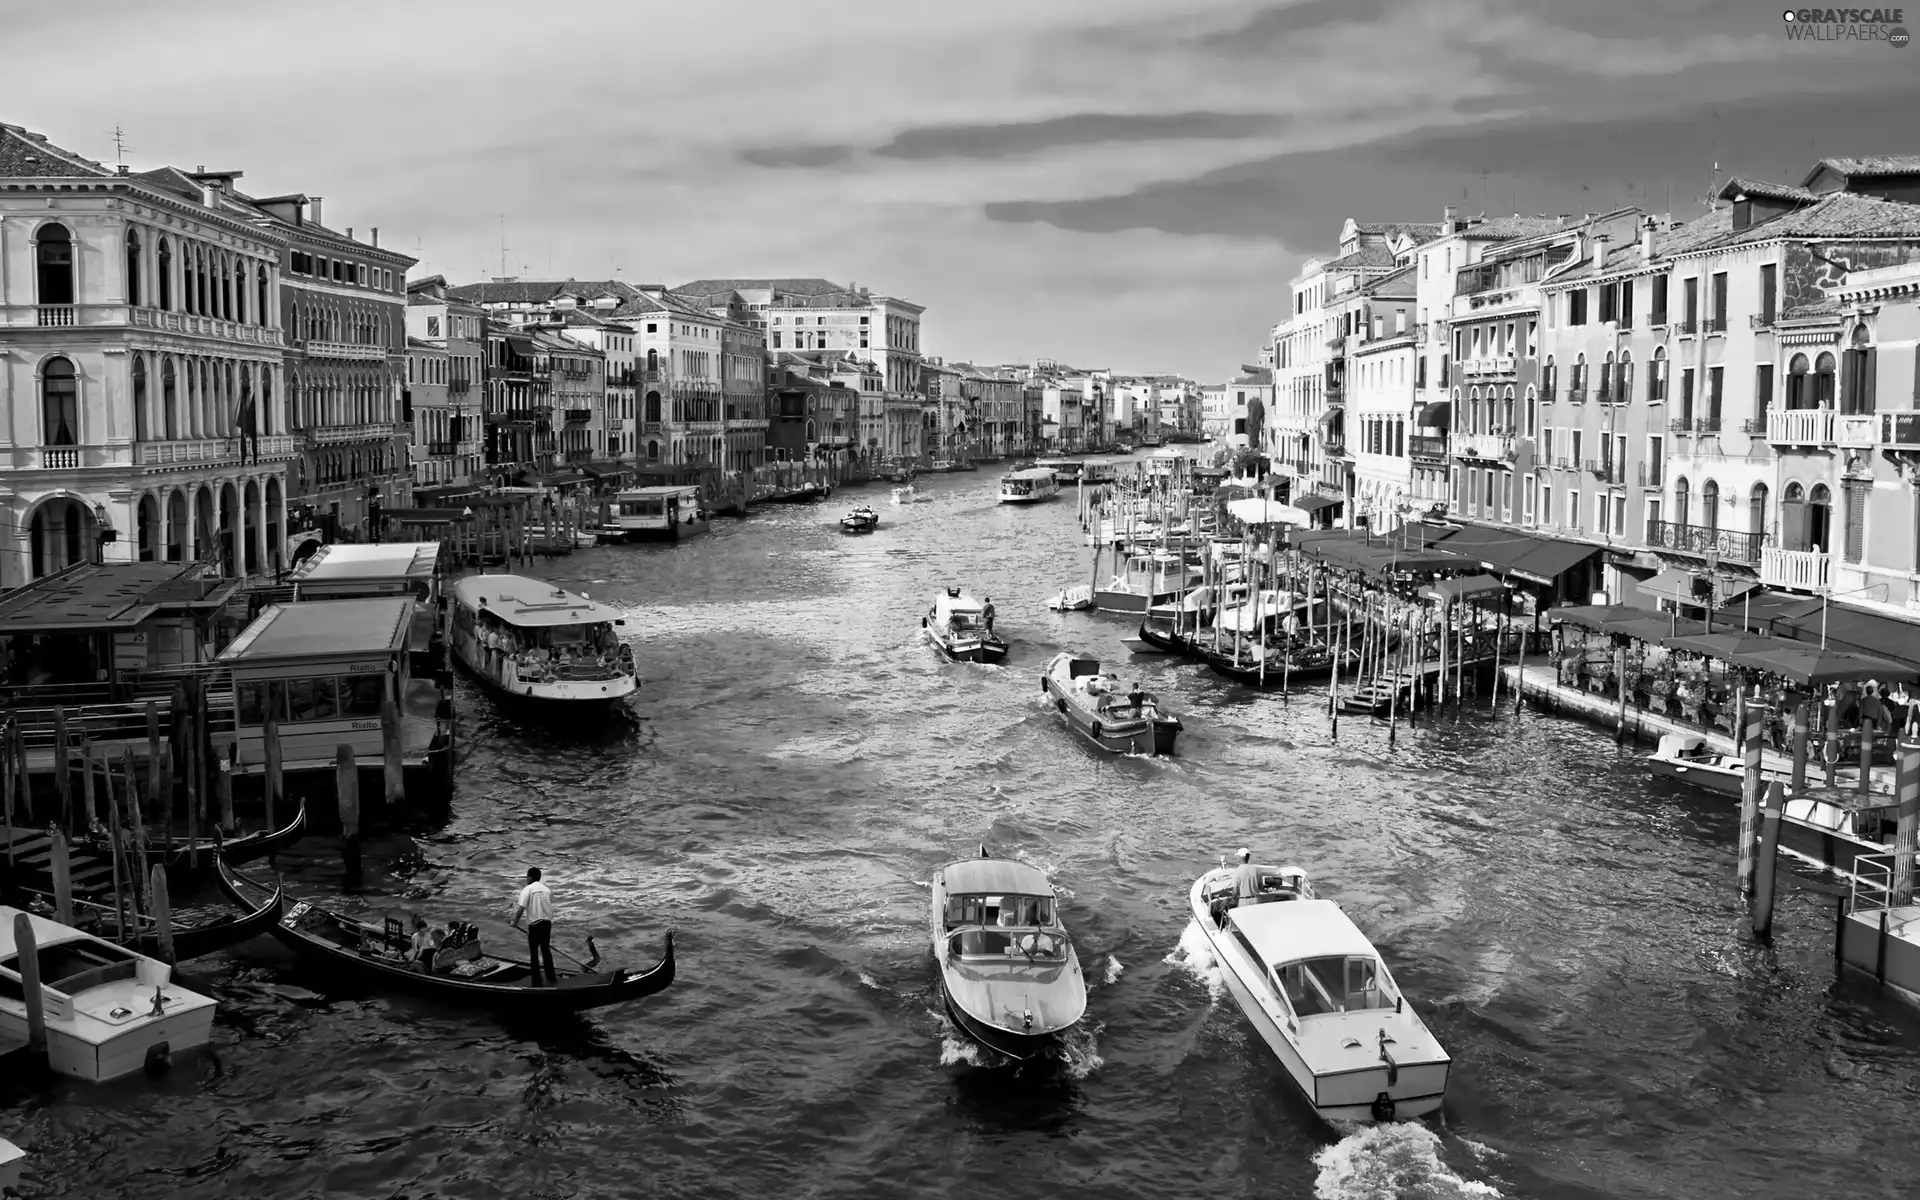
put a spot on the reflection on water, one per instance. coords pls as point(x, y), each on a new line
point(796, 767)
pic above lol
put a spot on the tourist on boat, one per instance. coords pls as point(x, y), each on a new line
point(1246, 877)
point(535, 903)
point(986, 613)
point(426, 941)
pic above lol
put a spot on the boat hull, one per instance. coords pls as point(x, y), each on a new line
point(1029, 499)
point(1145, 735)
point(580, 696)
point(1137, 603)
point(1248, 674)
point(1415, 1090)
point(980, 652)
point(1168, 642)
point(666, 533)
point(1018, 1046)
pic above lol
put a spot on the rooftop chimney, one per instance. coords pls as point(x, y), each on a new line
point(376, 236)
point(313, 210)
point(1600, 241)
point(209, 192)
point(1646, 240)
point(123, 169)
point(349, 233)
point(1446, 222)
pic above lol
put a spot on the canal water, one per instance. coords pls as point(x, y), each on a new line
point(798, 766)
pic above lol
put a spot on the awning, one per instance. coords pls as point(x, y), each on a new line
point(1509, 551)
point(1313, 504)
point(1462, 587)
point(1433, 416)
point(1803, 663)
point(1811, 620)
point(1600, 618)
point(1678, 585)
point(1256, 511)
point(1326, 418)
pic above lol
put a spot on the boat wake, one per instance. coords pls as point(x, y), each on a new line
point(1079, 1052)
point(1195, 957)
point(1114, 967)
point(1397, 1159)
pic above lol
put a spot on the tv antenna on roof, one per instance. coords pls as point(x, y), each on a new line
point(120, 146)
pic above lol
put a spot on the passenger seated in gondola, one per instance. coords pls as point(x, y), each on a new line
point(426, 941)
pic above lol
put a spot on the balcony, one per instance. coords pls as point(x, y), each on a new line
point(1577, 395)
point(1807, 570)
point(1428, 447)
point(1686, 328)
point(1488, 446)
point(458, 387)
point(441, 449)
point(1900, 430)
point(1855, 431)
point(579, 416)
point(652, 375)
point(1707, 425)
point(1713, 325)
point(1704, 541)
point(370, 431)
point(1548, 394)
point(1762, 320)
point(346, 350)
point(1753, 427)
point(54, 314)
point(1650, 475)
point(1800, 427)
point(211, 451)
point(1607, 471)
point(1333, 443)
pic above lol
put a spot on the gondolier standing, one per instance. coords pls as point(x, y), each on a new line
point(535, 903)
point(986, 614)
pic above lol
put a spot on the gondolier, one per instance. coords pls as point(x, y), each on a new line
point(535, 903)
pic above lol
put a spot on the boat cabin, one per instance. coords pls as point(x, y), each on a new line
point(959, 612)
point(1315, 957)
point(1099, 470)
point(324, 669)
point(546, 630)
point(657, 508)
point(998, 909)
point(1064, 469)
point(1033, 481)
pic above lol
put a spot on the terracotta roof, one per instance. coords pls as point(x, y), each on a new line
point(1419, 229)
point(1500, 228)
point(1772, 191)
point(792, 287)
point(1366, 258)
point(28, 155)
point(641, 306)
point(1868, 165)
point(1386, 284)
point(1837, 215)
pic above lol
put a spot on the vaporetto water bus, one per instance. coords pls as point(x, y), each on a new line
point(1030, 486)
point(534, 641)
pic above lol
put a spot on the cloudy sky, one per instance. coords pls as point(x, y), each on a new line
point(1121, 183)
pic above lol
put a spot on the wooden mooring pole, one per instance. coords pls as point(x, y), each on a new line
point(1906, 834)
point(1753, 720)
point(28, 958)
point(346, 779)
point(1765, 878)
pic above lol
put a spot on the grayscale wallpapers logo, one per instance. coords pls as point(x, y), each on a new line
point(1847, 25)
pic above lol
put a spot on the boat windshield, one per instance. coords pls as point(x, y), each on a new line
point(1329, 985)
point(1019, 944)
point(1002, 911)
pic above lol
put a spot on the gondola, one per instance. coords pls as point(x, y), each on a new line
point(1313, 665)
point(1167, 641)
point(462, 975)
point(230, 930)
point(90, 862)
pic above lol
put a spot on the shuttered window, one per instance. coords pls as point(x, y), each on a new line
point(1856, 498)
point(1793, 525)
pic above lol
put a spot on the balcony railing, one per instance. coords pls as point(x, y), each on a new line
point(347, 350)
point(1577, 395)
point(1763, 320)
point(579, 416)
point(1487, 446)
point(1650, 475)
point(1607, 471)
point(1703, 540)
point(1427, 446)
point(55, 314)
point(1800, 427)
point(1657, 317)
point(1685, 328)
point(1714, 325)
point(1900, 430)
point(1548, 395)
point(441, 449)
point(1808, 570)
point(458, 387)
point(1333, 443)
point(213, 450)
point(1753, 425)
point(1707, 425)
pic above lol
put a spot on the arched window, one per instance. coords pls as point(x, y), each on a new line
point(1710, 504)
point(1823, 381)
point(53, 263)
point(1578, 384)
point(1623, 379)
point(59, 404)
point(164, 269)
point(1657, 378)
point(202, 294)
point(1548, 380)
point(267, 424)
point(260, 314)
point(141, 432)
point(169, 400)
point(1681, 500)
point(1798, 395)
point(1859, 381)
point(1819, 518)
point(133, 266)
point(1757, 510)
point(1605, 391)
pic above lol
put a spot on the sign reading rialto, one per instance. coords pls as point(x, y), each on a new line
point(1847, 25)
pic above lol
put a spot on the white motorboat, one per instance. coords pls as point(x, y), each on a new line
point(1007, 967)
point(957, 626)
point(861, 520)
point(1319, 995)
point(905, 494)
point(669, 513)
point(1688, 758)
point(110, 1012)
point(1030, 486)
point(1073, 599)
point(532, 640)
point(1145, 579)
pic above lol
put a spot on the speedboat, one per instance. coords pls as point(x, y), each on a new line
point(1130, 722)
point(1073, 599)
point(957, 625)
point(1319, 995)
point(1007, 968)
point(861, 520)
point(909, 495)
point(110, 1012)
point(1688, 758)
point(1146, 578)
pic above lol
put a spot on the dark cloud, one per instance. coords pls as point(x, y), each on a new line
point(1272, 27)
point(1081, 129)
point(797, 156)
point(1534, 163)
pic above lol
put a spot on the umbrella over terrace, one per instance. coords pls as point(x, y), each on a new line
point(1810, 665)
point(1253, 510)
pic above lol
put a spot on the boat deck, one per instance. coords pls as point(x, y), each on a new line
point(1892, 957)
point(1541, 682)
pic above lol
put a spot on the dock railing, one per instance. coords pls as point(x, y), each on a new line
point(1883, 881)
